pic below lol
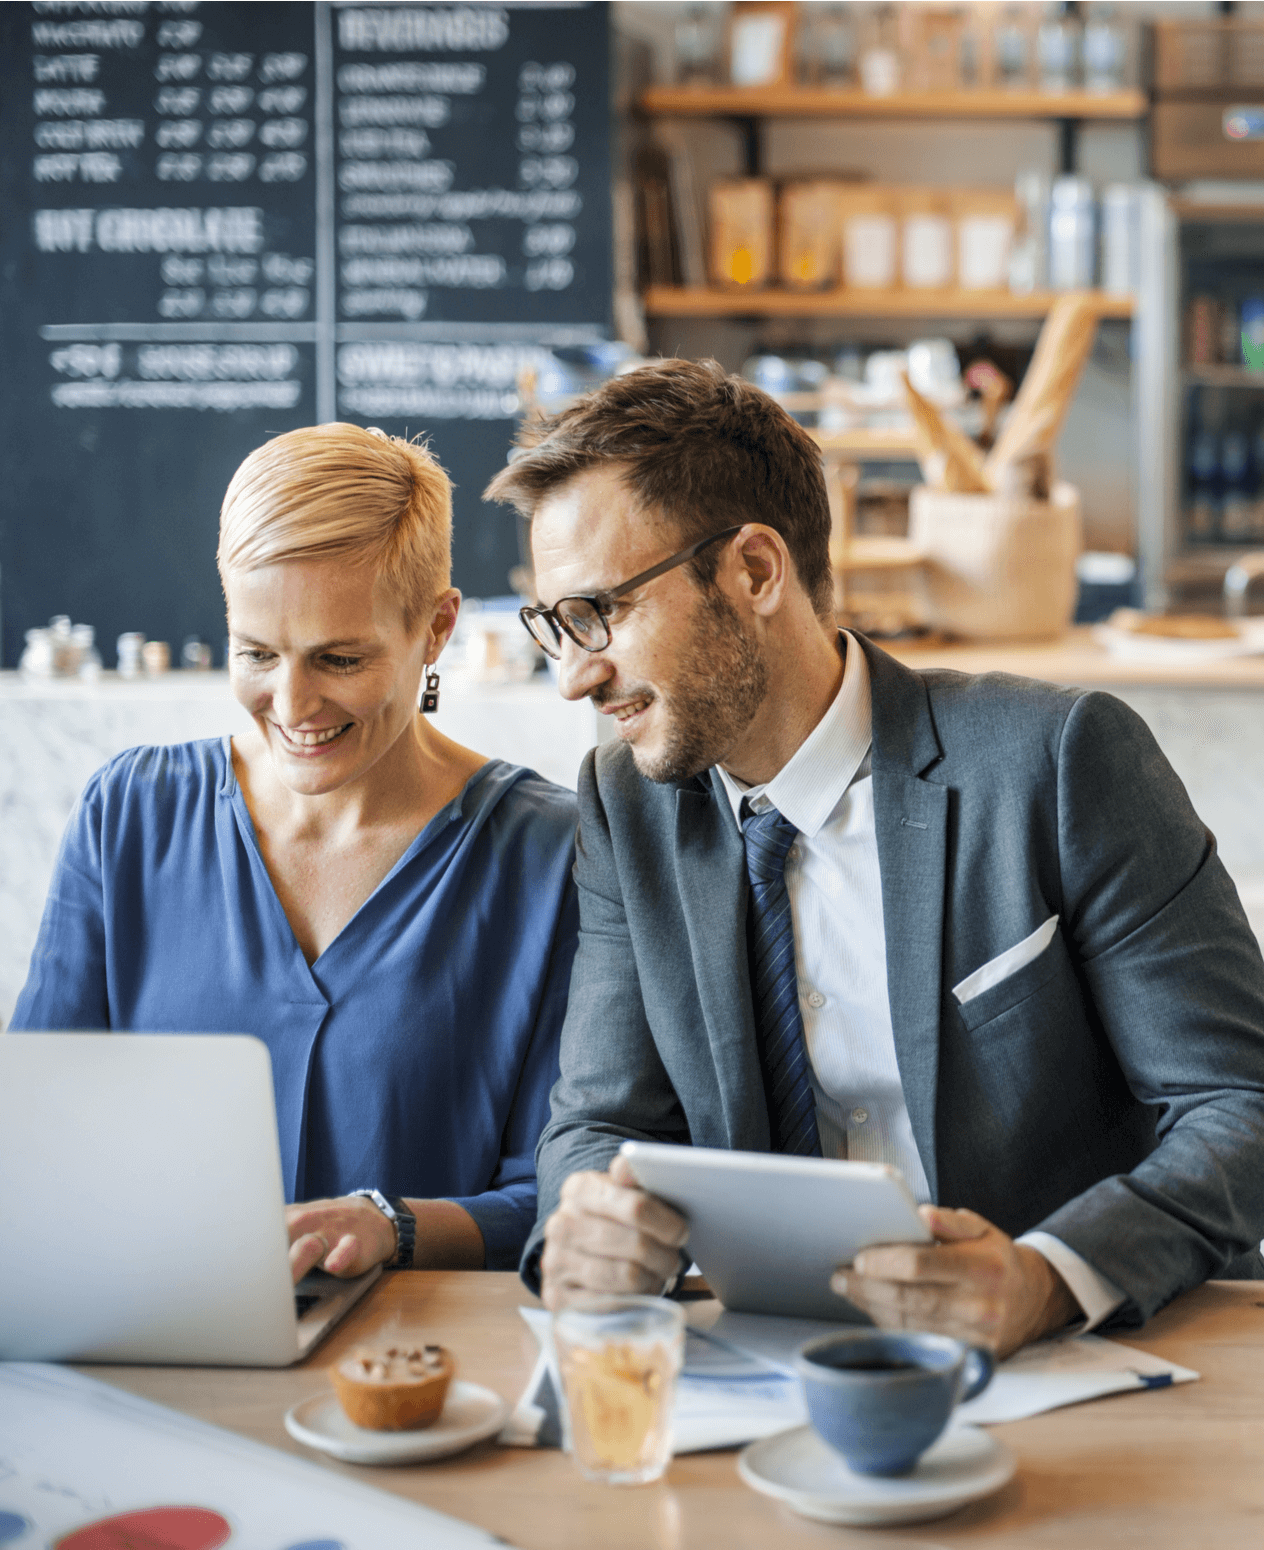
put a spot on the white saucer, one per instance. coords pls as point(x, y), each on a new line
point(470, 1414)
point(799, 1469)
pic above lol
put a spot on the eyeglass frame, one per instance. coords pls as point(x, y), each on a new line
point(601, 602)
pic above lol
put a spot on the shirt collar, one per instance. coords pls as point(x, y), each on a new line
point(808, 788)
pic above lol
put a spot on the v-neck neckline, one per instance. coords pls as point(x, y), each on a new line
point(449, 813)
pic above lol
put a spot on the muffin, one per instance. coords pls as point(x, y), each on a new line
point(396, 1390)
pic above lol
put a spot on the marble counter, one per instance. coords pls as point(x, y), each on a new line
point(59, 733)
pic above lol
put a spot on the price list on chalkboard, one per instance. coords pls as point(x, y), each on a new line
point(221, 221)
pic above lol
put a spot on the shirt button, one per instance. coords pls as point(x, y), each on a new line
point(793, 853)
point(859, 1116)
point(816, 999)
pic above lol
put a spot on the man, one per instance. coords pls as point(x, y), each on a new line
point(968, 926)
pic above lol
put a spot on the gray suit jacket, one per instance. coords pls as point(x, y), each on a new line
point(1110, 1092)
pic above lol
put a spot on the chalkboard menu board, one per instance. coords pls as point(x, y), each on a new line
point(221, 221)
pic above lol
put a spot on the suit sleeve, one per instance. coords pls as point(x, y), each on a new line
point(1175, 980)
point(613, 1086)
point(66, 986)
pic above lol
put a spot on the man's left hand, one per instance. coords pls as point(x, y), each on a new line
point(974, 1282)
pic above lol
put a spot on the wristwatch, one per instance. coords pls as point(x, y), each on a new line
point(396, 1212)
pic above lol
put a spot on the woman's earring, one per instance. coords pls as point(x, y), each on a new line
point(430, 699)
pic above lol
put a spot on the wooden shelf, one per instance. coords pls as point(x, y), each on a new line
point(870, 552)
point(821, 102)
point(1225, 376)
point(1207, 562)
point(1194, 211)
point(671, 301)
point(863, 443)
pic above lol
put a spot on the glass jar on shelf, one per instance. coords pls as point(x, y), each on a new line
point(1105, 50)
point(827, 46)
point(1011, 50)
point(698, 45)
point(1058, 45)
point(880, 64)
point(88, 659)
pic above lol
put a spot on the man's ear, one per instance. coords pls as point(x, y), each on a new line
point(764, 568)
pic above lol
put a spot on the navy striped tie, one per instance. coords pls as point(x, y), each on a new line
point(783, 1056)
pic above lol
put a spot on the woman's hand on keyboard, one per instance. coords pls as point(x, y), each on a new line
point(346, 1236)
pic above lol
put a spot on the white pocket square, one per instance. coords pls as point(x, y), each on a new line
point(1009, 962)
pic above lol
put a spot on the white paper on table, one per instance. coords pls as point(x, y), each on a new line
point(1067, 1370)
point(74, 1450)
point(1064, 1370)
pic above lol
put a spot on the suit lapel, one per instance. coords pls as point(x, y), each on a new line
point(911, 820)
point(711, 877)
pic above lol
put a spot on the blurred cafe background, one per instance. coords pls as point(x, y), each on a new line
point(1004, 261)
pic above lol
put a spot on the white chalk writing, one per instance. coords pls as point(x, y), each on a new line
point(66, 67)
point(456, 80)
point(93, 134)
point(408, 29)
point(430, 111)
point(88, 34)
point(235, 230)
point(220, 396)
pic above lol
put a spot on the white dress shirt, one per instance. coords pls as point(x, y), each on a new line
point(835, 888)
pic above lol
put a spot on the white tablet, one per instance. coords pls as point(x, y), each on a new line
point(768, 1230)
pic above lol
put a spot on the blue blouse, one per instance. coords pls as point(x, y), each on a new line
point(415, 1055)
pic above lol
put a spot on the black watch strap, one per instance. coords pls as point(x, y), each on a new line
point(395, 1209)
point(406, 1233)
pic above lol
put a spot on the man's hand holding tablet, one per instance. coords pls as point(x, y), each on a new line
point(608, 1235)
point(972, 1281)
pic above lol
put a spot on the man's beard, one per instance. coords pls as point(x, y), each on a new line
point(721, 683)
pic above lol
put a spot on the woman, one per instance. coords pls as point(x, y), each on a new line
point(392, 914)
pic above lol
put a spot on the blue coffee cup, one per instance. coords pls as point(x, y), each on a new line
point(880, 1398)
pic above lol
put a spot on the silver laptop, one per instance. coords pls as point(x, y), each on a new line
point(142, 1215)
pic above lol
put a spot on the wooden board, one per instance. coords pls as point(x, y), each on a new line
point(822, 102)
point(671, 301)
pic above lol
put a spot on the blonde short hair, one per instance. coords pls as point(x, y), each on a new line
point(331, 491)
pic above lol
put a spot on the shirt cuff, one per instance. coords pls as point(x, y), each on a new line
point(1097, 1296)
point(503, 1222)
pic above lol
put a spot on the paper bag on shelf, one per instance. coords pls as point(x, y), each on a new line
point(741, 232)
point(808, 249)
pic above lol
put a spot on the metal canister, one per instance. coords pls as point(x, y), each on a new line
point(1072, 235)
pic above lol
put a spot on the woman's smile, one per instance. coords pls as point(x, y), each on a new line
point(309, 740)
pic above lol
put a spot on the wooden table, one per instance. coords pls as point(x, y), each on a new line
point(1180, 1467)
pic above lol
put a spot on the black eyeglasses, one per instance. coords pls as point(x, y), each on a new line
point(586, 620)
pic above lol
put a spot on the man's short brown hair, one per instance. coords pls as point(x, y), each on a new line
point(699, 448)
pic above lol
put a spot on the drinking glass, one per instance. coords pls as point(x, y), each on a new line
point(619, 1357)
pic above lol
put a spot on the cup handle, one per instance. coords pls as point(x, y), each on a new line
point(976, 1373)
